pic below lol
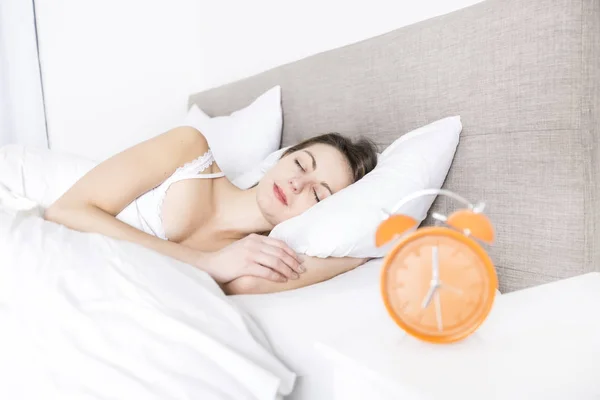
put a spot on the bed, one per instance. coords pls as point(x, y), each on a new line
point(525, 79)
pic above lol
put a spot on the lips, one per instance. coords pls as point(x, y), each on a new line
point(279, 194)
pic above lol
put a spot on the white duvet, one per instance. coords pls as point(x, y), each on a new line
point(83, 316)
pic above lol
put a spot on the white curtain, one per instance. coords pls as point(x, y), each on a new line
point(22, 117)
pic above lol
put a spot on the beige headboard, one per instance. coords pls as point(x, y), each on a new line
point(525, 77)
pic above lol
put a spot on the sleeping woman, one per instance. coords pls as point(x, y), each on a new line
point(187, 209)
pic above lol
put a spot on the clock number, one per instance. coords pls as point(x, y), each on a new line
point(403, 305)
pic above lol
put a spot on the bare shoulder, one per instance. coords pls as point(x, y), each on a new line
point(187, 139)
point(196, 143)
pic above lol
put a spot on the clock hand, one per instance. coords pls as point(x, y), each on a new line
point(438, 311)
point(435, 277)
point(445, 286)
point(435, 267)
point(429, 295)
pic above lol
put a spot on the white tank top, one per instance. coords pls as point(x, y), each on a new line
point(145, 212)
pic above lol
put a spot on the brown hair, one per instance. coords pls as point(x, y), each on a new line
point(361, 153)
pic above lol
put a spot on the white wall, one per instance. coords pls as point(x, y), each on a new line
point(119, 71)
point(21, 106)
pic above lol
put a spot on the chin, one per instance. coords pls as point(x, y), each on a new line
point(269, 207)
point(273, 216)
point(273, 219)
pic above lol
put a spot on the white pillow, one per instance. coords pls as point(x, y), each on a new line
point(39, 174)
point(345, 224)
point(255, 174)
point(242, 140)
point(239, 143)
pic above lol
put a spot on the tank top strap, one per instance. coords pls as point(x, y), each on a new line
point(203, 176)
point(193, 170)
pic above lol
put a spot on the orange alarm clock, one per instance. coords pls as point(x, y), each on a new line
point(438, 284)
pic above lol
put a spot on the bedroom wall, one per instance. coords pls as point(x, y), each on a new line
point(117, 72)
point(21, 105)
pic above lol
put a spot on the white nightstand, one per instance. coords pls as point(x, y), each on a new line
point(539, 343)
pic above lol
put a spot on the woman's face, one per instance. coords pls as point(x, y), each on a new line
point(300, 180)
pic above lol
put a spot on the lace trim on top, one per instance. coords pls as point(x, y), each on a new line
point(191, 168)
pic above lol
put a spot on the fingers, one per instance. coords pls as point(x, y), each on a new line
point(285, 257)
point(272, 259)
point(261, 271)
point(276, 264)
point(282, 246)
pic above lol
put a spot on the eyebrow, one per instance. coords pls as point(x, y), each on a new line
point(314, 164)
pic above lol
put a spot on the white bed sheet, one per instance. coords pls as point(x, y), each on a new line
point(295, 320)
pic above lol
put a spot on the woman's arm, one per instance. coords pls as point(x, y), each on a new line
point(93, 202)
point(317, 270)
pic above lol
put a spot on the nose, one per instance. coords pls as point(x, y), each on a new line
point(297, 184)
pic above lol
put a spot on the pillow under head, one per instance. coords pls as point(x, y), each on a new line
point(345, 224)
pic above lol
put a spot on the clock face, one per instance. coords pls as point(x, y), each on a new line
point(438, 284)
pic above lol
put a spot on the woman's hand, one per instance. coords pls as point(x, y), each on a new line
point(257, 256)
point(317, 270)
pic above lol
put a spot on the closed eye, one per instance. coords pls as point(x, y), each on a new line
point(316, 197)
point(300, 166)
